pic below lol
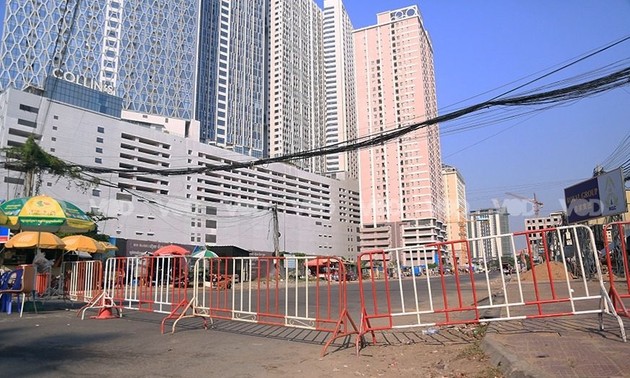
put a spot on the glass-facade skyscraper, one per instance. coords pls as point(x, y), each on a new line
point(232, 80)
point(145, 54)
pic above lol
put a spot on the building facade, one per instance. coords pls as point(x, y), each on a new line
point(315, 214)
point(146, 55)
point(401, 185)
point(296, 81)
point(341, 118)
point(232, 75)
point(456, 212)
point(485, 228)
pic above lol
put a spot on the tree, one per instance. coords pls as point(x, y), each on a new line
point(33, 161)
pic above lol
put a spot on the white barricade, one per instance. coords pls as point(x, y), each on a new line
point(147, 283)
point(81, 280)
point(485, 279)
point(285, 291)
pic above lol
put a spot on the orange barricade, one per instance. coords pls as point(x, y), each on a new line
point(298, 292)
point(484, 279)
point(617, 249)
point(42, 283)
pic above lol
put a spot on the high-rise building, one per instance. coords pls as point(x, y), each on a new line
point(341, 119)
point(144, 54)
point(485, 227)
point(401, 185)
point(232, 79)
point(456, 211)
point(296, 81)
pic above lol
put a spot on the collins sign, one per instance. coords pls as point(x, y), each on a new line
point(84, 81)
point(599, 196)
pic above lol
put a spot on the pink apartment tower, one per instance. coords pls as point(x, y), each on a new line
point(401, 185)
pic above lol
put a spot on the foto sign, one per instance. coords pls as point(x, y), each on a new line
point(599, 196)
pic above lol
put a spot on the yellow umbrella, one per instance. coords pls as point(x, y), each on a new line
point(32, 239)
point(43, 213)
point(108, 246)
point(83, 243)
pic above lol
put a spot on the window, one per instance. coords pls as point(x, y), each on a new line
point(24, 122)
point(123, 197)
point(98, 160)
point(99, 140)
point(99, 150)
point(28, 108)
point(100, 129)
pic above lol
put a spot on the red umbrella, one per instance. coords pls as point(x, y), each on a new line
point(322, 261)
point(171, 250)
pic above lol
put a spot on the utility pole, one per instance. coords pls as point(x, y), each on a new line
point(277, 270)
point(276, 231)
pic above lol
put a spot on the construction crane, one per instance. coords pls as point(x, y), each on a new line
point(535, 202)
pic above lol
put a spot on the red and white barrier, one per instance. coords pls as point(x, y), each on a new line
point(271, 291)
point(82, 280)
point(567, 281)
point(148, 283)
point(617, 249)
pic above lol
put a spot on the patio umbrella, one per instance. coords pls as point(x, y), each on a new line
point(171, 250)
point(31, 239)
point(3, 218)
point(83, 243)
point(204, 253)
point(107, 246)
point(322, 261)
point(43, 213)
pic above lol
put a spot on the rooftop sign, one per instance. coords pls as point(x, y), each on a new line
point(599, 196)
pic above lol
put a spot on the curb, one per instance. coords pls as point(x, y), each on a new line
point(507, 362)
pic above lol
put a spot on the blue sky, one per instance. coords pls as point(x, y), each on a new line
point(485, 47)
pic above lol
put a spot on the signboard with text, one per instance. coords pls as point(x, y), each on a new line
point(599, 196)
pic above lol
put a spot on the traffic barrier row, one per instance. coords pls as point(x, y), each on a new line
point(463, 289)
point(484, 279)
point(295, 292)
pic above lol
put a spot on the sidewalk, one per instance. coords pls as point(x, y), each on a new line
point(559, 347)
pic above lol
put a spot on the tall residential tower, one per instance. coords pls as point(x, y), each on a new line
point(402, 197)
point(341, 118)
point(296, 80)
point(232, 77)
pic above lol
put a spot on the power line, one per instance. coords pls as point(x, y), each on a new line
point(574, 92)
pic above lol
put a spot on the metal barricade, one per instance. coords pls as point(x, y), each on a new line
point(147, 283)
point(82, 280)
point(271, 291)
point(442, 284)
point(617, 249)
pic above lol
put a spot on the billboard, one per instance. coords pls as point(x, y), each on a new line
point(599, 196)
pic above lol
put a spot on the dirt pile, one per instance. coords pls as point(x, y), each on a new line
point(542, 273)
